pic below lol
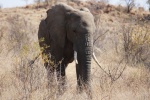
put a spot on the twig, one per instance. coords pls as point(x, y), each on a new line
point(99, 37)
point(33, 61)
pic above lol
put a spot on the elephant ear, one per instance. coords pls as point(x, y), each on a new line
point(42, 32)
point(56, 26)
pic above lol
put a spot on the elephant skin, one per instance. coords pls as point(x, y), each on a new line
point(64, 31)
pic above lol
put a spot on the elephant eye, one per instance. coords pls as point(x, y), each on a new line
point(84, 23)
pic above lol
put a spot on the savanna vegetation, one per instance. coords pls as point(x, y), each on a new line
point(121, 43)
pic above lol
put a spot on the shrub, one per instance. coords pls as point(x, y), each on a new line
point(136, 43)
point(19, 34)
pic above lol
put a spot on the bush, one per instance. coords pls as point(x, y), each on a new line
point(19, 34)
point(136, 43)
point(27, 81)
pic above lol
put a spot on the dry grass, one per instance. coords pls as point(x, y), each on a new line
point(121, 81)
point(136, 43)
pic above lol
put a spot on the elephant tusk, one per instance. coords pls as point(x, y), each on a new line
point(75, 57)
point(95, 59)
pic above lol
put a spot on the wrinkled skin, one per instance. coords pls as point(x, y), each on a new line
point(64, 31)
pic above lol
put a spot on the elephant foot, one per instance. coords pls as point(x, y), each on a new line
point(86, 89)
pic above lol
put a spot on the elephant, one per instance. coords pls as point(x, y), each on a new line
point(66, 35)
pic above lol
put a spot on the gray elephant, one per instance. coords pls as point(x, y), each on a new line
point(66, 35)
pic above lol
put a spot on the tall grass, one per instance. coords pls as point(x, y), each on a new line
point(137, 43)
point(120, 81)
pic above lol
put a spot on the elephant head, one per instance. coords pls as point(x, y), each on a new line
point(80, 27)
point(67, 30)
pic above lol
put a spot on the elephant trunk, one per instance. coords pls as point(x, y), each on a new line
point(86, 69)
point(84, 59)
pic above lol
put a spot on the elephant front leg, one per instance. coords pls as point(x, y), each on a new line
point(61, 78)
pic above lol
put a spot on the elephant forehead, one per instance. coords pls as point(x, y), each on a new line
point(86, 16)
